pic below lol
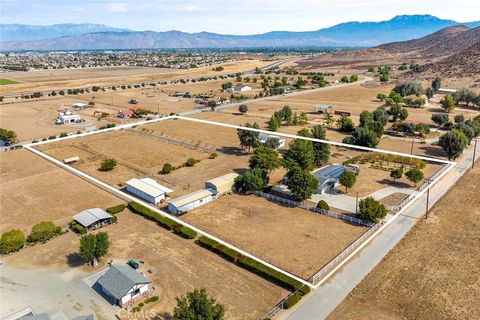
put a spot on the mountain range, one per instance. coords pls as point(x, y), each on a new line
point(94, 36)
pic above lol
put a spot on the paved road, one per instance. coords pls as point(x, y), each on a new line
point(324, 300)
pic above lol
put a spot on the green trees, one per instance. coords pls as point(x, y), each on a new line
point(381, 96)
point(43, 231)
point(396, 173)
point(436, 84)
point(408, 88)
point(453, 143)
point(197, 305)
point(448, 103)
point(167, 168)
point(243, 108)
point(265, 158)
point(414, 175)
point(322, 204)
point(94, 246)
point(353, 78)
point(8, 135)
point(398, 113)
point(300, 154)
point(302, 184)
point(108, 164)
point(440, 119)
point(273, 124)
point(347, 179)
point(371, 210)
point(248, 139)
point(252, 180)
point(363, 137)
point(11, 241)
point(321, 150)
point(226, 85)
point(380, 115)
point(344, 79)
point(345, 124)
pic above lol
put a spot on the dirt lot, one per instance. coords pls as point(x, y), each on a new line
point(265, 229)
point(433, 273)
point(33, 190)
point(144, 155)
point(179, 266)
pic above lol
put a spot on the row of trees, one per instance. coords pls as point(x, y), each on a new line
point(286, 117)
point(14, 240)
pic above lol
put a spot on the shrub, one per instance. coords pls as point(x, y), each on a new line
point(114, 219)
point(108, 164)
point(151, 299)
point(167, 168)
point(207, 243)
point(371, 210)
point(292, 300)
point(63, 135)
point(187, 233)
point(43, 231)
point(11, 241)
point(164, 222)
point(191, 162)
point(141, 304)
point(52, 137)
point(77, 228)
point(322, 204)
point(116, 209)
point(213, 155)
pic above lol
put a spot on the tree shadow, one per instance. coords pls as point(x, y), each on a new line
point(433, 151)
point(236, 151)
point(163, 316)
point(74, 260)
point(397, 184)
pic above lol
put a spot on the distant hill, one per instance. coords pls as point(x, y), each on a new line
point(24, 32)
point(350, 34)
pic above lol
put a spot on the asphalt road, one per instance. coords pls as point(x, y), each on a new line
point(325, 299)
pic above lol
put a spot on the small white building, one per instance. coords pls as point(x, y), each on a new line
point(242, 88)
point(321, 108)
point(190, 201)
point(122, 285)
point(68, 118)
point(79, 106)
point(263, 138)
point(148, 190)
point(222, 184)
point(446, 91)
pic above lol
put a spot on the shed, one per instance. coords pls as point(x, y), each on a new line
point(190, 201)
point(79, 106)
point(322, 108)
point(93, 218)
point(446, 91)
point(122, 285)
point(222, 184)
point(147, 189)
point(263, 138)
point(68, 118)
point(328, 177)
point(71, 160)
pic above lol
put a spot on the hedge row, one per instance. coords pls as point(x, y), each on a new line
point(292, 300)
point(253, 266)
point(164, 222)
point(116, 209)
point(186, 232)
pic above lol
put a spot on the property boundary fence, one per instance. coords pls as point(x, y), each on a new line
point(328, 213)
point(329, 266)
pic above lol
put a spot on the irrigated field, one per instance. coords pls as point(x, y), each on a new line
point(34, 190)
point(434, 272)
point(297, 240)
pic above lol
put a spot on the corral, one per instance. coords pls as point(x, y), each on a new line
point(294, 239)
point(34, 190)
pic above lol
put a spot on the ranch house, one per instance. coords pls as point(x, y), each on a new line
point(328, 177)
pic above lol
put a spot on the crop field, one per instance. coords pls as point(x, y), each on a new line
point(433, 273)
point(7, 81)
point(178, 266)
point(34, 190)
point(265, 229)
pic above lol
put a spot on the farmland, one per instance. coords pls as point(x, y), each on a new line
point(32, 188)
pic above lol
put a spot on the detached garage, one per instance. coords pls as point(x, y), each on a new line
point(190, 201)
point(222, 184)
point(148, 190)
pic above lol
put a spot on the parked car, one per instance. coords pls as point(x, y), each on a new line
point(132, 263)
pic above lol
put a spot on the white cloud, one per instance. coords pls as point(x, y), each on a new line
point(78, 9)
point(191, 8)
point(116, 7)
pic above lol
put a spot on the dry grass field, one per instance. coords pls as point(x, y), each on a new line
point(433, 273)
point(139, 154)
point(61, 79)
point(34, 190)
point(178, 266)
point(294, 239)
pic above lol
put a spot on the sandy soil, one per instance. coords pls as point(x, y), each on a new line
point(265, 229)
point(178, 266)
point(433, 273)
point(34, 190)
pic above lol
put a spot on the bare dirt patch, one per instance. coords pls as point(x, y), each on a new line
point(294, 239)
point(433, 273)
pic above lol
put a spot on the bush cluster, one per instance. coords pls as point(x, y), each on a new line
point(43, 231)
point(11, 241)
point(186, 232)
point(116, 209)
point(292, 300)
point(77, 228)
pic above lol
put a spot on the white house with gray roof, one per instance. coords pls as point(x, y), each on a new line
point(122, 285)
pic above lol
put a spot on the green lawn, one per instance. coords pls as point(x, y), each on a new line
point(6, 81)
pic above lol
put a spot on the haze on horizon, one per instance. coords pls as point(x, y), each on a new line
point(236, 17)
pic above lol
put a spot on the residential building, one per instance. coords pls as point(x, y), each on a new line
point(328, 177)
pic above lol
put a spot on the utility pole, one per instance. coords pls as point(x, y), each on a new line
point(426, 209)
point(474, 153)
point(411, 148)
point(356, 204)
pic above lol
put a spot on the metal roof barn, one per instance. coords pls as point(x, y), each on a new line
point(92, 217)
point(223, 183)
point(147, 189)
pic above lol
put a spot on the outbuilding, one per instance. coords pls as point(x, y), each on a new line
point(446, 91)
point(190, 201)
point(328, 177)
point(242, 88)
point(79, 106)
point(263, 138)
point(222, 184)
point(68, 118)
point(93, 218)
point(322, 108)
point(148, 189)
point(122, 285)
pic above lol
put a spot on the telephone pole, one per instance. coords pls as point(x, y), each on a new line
point(426, 209)
point(474, 153)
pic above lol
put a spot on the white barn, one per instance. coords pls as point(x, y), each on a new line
point(122, 285)
point(222, 184)
point(68, 118)
point(148, 190)
point(190, 201)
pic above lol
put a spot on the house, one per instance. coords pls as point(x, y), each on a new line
point(148, 190)
point(190, 201)
point(264, 138)
point(242, 88)
point(446, 91)
point(125, 114)
point(122, 285)
point(93, 218)
point(222, 184)
point(67, 118)
point(79, 106)
point(322, 108)
point(328, 177)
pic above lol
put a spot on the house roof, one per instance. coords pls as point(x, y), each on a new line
point(134, 108)
point(148, 186)
point(265, 137)
point(227, 178)
point(322, 106)
point(90, 216)
point(127, 112)
point(118, 280)
point(191, 197)
point(329, 173)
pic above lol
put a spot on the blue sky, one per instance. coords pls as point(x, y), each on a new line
point(232, 17)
